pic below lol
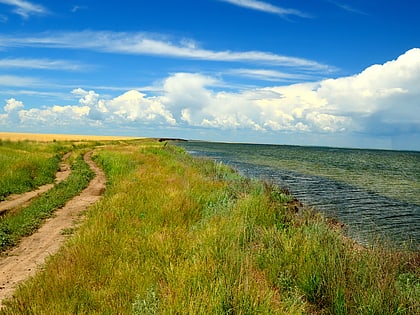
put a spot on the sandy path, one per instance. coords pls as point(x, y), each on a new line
point(19, 200)
point(23, 261)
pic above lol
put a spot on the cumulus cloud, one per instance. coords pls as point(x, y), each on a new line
point(134, 106)
point(11, 110)
point(384, 95)
point(187, 91)
point(55, 116)
point(91, 110)
point(91, 100)
point(12, 105)
point(295, 108)
point(15, 112)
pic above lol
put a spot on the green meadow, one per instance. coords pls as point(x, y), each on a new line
point(175, 234)
point(26, 165)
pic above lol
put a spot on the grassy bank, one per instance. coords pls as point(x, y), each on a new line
point(177, 235)
point(17, 224)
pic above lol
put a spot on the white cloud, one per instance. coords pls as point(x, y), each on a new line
point(390, 89)
point(11, 109)
point(77, 8)
point(43, 64)
point(17, 81)
point(25, 8)
point(266, 7)
point(134, 106)
point(55, 116)
point(269, 75)
point(91, 100)
point(190, 97)
point(87, 98)
point(152, 44)
point(78, 111)
point(346, 7)
point(49, 116)
point(187, 90)
point(12, 105)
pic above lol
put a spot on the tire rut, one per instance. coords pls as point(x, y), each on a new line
point(24, 260)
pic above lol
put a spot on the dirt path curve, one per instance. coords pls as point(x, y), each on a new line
point(23, 261)
point(19, 200)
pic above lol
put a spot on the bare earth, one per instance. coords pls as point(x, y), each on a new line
point(24, 260)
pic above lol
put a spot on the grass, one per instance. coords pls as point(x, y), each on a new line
point(15, 225)
point(26, 165)
point(177, 235)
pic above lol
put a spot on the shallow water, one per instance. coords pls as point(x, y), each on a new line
point(375, 193)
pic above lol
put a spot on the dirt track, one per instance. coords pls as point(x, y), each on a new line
point(23, 261)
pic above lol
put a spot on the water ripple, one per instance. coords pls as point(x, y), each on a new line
point(368, 215)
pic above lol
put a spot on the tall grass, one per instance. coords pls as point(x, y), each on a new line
point(17, 224)
point(176, 235)
point(26, 165)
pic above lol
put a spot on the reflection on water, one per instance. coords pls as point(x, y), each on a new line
point(375, 193)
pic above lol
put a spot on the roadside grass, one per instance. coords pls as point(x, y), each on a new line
point(178, 235)
point(26, 165)
point(15, 225)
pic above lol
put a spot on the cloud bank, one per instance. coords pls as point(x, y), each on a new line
point(380, 101)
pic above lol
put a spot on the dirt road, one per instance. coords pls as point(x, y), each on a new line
point(24, 260)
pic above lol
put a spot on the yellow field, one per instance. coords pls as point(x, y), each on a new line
point(14, 136)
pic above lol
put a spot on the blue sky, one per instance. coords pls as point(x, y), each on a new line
point(306, 72)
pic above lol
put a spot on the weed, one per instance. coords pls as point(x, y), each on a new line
point(147, 306)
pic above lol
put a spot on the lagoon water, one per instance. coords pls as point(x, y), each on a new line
point(375, 193)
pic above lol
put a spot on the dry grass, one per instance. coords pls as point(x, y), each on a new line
point(14, 136)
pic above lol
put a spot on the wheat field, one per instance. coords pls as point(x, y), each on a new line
point(15, 136)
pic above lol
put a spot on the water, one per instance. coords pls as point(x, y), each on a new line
point(376, 193)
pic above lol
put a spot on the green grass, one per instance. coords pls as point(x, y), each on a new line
point(15, 225)
point(177, 235)
point(26, 165)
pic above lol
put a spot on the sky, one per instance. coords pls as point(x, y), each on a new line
point(342, 73)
